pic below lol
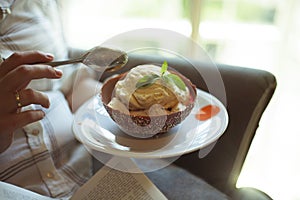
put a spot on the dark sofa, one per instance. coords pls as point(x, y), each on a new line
point(247, 94)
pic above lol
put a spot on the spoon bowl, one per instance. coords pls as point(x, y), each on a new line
point(99, 59)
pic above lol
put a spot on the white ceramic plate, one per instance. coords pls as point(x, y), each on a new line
point(94, 128)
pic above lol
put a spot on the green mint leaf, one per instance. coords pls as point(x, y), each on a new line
point(176, 80)
point(164, 68)
point(146, 80)
point(166, 79)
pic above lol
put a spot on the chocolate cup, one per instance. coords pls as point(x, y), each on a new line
point(144, 126)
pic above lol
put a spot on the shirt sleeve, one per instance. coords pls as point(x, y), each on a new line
point(66, 164)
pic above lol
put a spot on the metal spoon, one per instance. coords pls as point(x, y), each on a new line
point(99, 59)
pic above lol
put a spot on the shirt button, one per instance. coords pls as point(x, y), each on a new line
point(35, 132)
point(50, 175)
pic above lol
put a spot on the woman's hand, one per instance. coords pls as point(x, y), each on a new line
point(16, 72)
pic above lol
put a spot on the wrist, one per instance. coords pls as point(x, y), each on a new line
point(6, 140)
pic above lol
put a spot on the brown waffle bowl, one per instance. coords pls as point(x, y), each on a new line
point(144, 126)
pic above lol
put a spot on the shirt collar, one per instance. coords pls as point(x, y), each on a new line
point(6, 3)
point(5, 8)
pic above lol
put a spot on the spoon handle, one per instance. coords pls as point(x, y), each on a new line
point(64, 62)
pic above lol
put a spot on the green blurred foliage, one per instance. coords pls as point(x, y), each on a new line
point(212, 10)
point(246, 10)
point(254, 12)
point(143, 8)
point(153, 8)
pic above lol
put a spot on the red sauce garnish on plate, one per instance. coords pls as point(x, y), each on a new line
point(207, 112)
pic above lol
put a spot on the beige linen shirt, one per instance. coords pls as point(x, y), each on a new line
point(44, 156)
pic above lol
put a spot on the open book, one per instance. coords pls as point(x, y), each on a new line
point(107, 183)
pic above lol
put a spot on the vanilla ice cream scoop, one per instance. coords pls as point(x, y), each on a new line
point(167, 95)
point(148, 99)
point(157, 93)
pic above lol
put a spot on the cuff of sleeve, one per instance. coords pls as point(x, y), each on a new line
point(77, 75)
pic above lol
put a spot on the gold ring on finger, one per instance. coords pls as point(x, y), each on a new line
point(18, 100)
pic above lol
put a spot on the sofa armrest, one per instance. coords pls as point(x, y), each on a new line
point(249, 193)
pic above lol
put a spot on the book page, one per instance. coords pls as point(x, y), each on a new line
point(12, 192)
point(109, 183)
